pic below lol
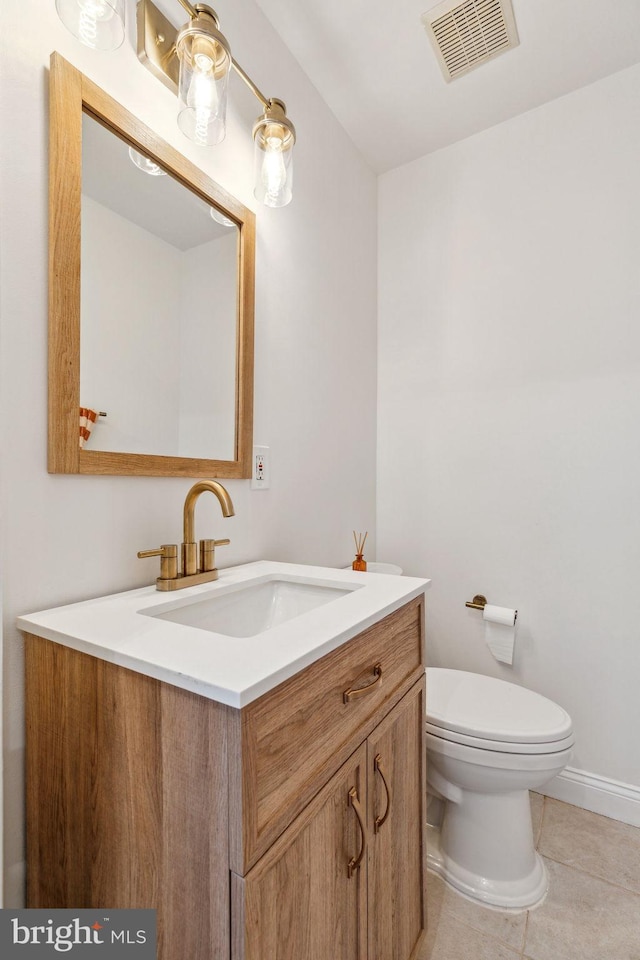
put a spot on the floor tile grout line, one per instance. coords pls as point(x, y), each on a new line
point(538, 838)
point(526, 929)
point(593, 876)
point(489, 936)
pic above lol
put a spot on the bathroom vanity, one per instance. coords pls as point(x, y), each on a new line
point(265, 792)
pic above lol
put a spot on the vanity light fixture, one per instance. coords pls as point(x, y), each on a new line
point(98, 24)
point(195, 63)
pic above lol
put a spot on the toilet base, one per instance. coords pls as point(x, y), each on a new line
point(515, 895)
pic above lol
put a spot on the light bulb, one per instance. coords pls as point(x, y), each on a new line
point(203, 62)
point(145, 163)
point(202, 98)
point(92, 12)
point(274, 172)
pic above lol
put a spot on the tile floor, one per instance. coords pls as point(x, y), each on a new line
point(592, 910)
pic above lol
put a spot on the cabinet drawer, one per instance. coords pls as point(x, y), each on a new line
point(297, 735)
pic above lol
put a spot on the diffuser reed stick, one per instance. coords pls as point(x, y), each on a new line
point(359, 563)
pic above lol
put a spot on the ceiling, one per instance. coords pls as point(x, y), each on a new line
point(374, 66)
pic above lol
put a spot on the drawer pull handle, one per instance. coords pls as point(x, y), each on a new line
point(377, 763)
point(352, 694)
point(354, 863)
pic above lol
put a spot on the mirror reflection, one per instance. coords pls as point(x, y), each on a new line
point(159, 307)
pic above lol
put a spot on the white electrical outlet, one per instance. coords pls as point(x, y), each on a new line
point(260, 474)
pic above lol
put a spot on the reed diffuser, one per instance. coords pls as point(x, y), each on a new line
point(359, 563)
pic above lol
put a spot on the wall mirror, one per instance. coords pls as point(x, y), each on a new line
point(151, 288)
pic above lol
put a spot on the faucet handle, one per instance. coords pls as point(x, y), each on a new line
point(208, 553)
point(168, 553)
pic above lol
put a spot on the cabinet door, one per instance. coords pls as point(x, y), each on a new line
point(301, 901)
point(396, 767)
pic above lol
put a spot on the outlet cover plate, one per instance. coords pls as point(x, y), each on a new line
point(260, 472)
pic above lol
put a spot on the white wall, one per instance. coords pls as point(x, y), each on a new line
point(208, 368)
point(131, 304)
point(509, 402)
point(65, 538)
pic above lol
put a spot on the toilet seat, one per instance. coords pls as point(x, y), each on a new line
point(500, 746)
point(492, 714)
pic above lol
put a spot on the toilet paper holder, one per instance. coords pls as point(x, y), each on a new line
point(478, 603)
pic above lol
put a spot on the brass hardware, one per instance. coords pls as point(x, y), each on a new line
point(192, 497)
point(157, 47)
point(201, 35)
point(191, 10)
point(181, 581)
point(189, 555)
point(170, 578)
point(168, 553)
point(377, 764)
point(478, 603)
point(354, 692)
point(208, 553)
point(157, 44)
point(249, 82)
point(274, 122)
point(354, 863)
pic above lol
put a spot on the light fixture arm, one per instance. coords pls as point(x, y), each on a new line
point(191, 10)
point(156, 48)
point(249, 82)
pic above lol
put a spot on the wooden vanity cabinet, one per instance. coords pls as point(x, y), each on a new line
point(238, 826)
point(301, 899)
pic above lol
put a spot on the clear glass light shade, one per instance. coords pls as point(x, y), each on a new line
point(98, 24)
point(145, 163)
point(273, 165)
point(202, 90)
point(220, 218)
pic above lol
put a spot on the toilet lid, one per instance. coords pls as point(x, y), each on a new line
point(491, 709)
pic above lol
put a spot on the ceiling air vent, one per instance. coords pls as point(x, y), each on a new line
point(466, 35)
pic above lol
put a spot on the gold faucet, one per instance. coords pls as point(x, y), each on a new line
point(192, 572)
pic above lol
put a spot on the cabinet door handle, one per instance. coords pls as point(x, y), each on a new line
point(352, 693)
point(354, 863)
point(377, 763)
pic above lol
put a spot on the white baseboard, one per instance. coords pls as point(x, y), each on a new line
point(620, 801)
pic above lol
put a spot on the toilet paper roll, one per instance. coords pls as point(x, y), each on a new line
point(500, 631)
point(499, 614)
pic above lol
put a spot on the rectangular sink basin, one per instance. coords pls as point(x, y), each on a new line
point(251, 609)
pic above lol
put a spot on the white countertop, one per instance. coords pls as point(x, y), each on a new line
point(231, 670)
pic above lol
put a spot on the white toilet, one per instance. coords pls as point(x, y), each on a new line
point(488, 743)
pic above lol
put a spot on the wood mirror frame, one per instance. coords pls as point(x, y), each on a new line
point(71, 95)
